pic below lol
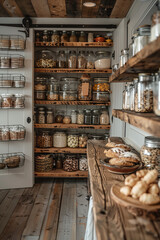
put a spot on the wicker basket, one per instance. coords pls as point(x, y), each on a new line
point(44, 163)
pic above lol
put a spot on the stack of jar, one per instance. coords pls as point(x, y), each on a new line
point(12, 101)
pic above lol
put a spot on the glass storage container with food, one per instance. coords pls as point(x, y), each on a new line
point(64, 37)
point(155, 29)
point(52, 96)
point(143, 37)
point(19, 100)
point(95, 117)
point(156, 97)
point(73, 37)
point(5, 133)
point(82, 37)
point(7, 100)
point(70, 164)
point(104, 117)
point(41, 117)
point(72, 60)
point(115, 68)
point(80, 117)
point(17, 42)
point(132, 95)
point(45, 36)
point(45, 59)
point(59, 162)
point(81, 60)
point(126, 98)
point(44, 139)
point(150, 152)
point(144, 93)
point(83, 163)
point(18, 81)
point(49, 117)
point(17, 61)
point(83, 138)
point(60, 140)
point(40, 84)
point(4, 42)
point(40, 95)
point(90, 60)
point(67, 119)
point(101, 96)
point(53, 85)
point(5, 61)
point(87, 117)
point(123, 57)
point(90, 37)
point(68, 84)
point(131, 51)
point(61, 60)
point(68, 95)
point(59, 117)
point(72, 140)
point(21, 132)
point(55, 37)
point(102, 60)
point(85, 89)
point(101, 84)
point(74, 116)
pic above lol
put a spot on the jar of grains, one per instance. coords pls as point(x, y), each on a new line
point(49, 117)
point(150, 152)
point(83, 164)
point(40, 95)
point(41, 117)
point(72, 140)
point(81, 61)
point(44, 139)
point(85, 89)
point(104, 117)
point(72, 60)
point(73, 116)
point(61, 60)
point(90, 60)
point(83, 140)
point(53, 85)
point(55, 37)
point(60, 140)
point(102, 60)
point(70, 164)
point(80, 117)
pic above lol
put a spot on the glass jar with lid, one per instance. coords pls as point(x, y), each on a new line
point(156, 98)
point(144, 93)
point(70, 164)
point(82, 37)
point(7, 100)
point(81, 61)
point(131, 51)
point(123, 57)
point(53, 85)
point(4, 41)
point(45, 59)
point(19, 101)
point(87, 117)
point(155, 29)
point(45, 36)
point(126, 98)
point(44, 139)
point(40, 95)
point(67, 119)
point(95, 117)
point(72, 60)
point(90, 60)
point(83, 138)
point(104, 117)
point(150, 152)
point(68, 95)
point(68, 84)
point(55, 37)
point(83, 163)
point(132, 94)
point(72, 140)
point(40, 84)
point(74, 116)
point(80, 117)
point(143, 37)
point(73, 37)
point(59, 117)
point(61, 60)
point(49, 117)
point(41, 117)
point(101, 85)
point(101, 96)
point(52, 95)
point(5, 134)
point(64, 37)
point(60, 139)
point(102, 60)
point(85, 89)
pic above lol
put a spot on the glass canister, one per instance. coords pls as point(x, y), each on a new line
point(64, 37)
point(142, 38)
point(87, 117)
point(156, 97)
point(55, 37)
point(4, 41)
point(85, 89)
point(40, 95)
point(67, 119)
point(101, 84)
point(144, 93)
point(41, 117)
point(70, 164)
point(44, 139)
point(53, 85)
point(40, 84)
point(72, 60)
point(72, 140)
point(80, 117)
point(104, 117)
point(61, 60)
point(68, 84)
point(124, 57)
point(52, 96)
point(83, 140)
point(81, 60)
point(83, 163)
point(68, 95)
point(155, 29)
point(90, 37)
point(126, 98)
point(90, 60)
point(59, 117)
point(19, 101)
point(102, 60)
point(82, 37)
point(45, 59)
point(73, 37)
point(7, 100)
point(150, 152)
point(95, 117)
point(74, 116)
point(60, 140)
point(132, 46)
point(49, 117)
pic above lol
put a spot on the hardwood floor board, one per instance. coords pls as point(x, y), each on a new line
point(3, 194)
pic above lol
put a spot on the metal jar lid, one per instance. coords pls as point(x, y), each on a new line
point(152, 142)
point(143, 77)
point(124, 51)
point(68, 79)
point(144, 30)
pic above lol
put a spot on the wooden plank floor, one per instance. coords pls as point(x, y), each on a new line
point(51, 210)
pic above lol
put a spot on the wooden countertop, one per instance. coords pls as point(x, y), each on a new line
point(113, 221)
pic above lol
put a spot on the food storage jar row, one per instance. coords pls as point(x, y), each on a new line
point(11, 160)
point(15, 42)
point(12, 101)
point(11, 61)
point(12, 132)
point(73, 60)
point(12, 80)
point(65, 36)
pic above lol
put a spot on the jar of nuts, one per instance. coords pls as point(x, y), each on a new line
point(44, 139)
point(67, 119)
point(70, 164)
point(150, 152)
point(72, 140)
point(83, 164)
point(83, 140)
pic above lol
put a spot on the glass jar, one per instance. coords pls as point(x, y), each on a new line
point(44, 139)
point(61, 60)
point(83, 140)
point(67, 119)
point(132, 94)
point(68, 95)
point(81, 61)
point(156, 97)
point(72, 140)
point(40, 95)
point(132, 46)
point(59, 117)
point(4, 41)
point(19, 101)
point(101, 84)
point(5, 134)
point(90, 37)
point(150, 152)
point(52, 96)
point(144, 93)
point(85, 90)
point(124, 57)
point(104, 118)
point(40, 84)
point(53, 85)
point(7, 100)
point(87, 117)
point(155, 29)
point(55, 37)
point(68, 84)
point(82, 37)
point(142, 38)
point(41, 117)
point(126, 98)
point(80, 117)
point(45, 36)
point(49, 117)
point(72, 60)
point(59, 164)
point(5, 61)
point(60, 140)
point(74, 116)
point(95, 117)
point(73, 37)
point(64, 37)
point(90, 60)
point(37, 37)
point(83, 164)
point(70, 164)
point(102, 60)
point(45, 59)
point(17, 42)
point(101, 96)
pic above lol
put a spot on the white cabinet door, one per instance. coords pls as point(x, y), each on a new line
point(23, 176)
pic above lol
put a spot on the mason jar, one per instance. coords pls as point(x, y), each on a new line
point(81, 61)
point(72, 60)
point(102, 60)
point(74, 116)
point(73, 37)
point(95, 117)
point(64, 37)
point(68, 84)
point(61, 60)
point(83, 138)
point(143, 37)
point(104, 117)
point(87, 117)
point(41, 117)
point(82, 37)
point(60, 140)
point(55, 37)
point(72, 140)
point(123, 57)
point(155, 29)
point(80, 117)
point(83, 163)
point(90, 60)
point(49, 117)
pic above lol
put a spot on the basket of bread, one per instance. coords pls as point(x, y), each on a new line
point(11, 160)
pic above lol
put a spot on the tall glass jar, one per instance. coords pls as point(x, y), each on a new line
point(82, 37)
point(74, 116)
point(72, 60)
point(142, 38)
point(87, 117)
point(80, 117)
point(64, 37)
point(95, 117)
point(85, 90)
point(104, 118)
point(73, 37)
point(55, 37)
point(72, 140)
point(53, 85)
point(61, 60)
point(81, 62)
point(41, 117)
point(132, 46)
point(49, 117)
point(144, 93)
point(124, 97)
point(155, 29)
point(156, 98)
point(40, 84)
point(124, 57)
point(68, 84)
point(44, 139)
point(90, 60)
point(132, 94)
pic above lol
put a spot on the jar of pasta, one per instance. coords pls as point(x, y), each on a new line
point(45, 59)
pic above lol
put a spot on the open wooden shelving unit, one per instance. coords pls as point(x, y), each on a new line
point(148, 122)
point(69, 70)
point(74, 44)
point(59, 173)
point(75, 126)
point(60, 150)
point(99, 103)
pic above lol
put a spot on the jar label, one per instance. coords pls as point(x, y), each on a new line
point(85, 89)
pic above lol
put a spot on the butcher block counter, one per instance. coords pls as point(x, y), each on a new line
point(111, 220)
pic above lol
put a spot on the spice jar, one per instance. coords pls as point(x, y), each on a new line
point(83, 164)
point(104, 118)
point(52, 96)
point(59, 117)
point(156, 97)
point(7, 100)
point(95, 117)
point(5, 61)
point(155, 29)
point(4, 41)
point(101, 84)
point(150, 152)
point(102, 60)
point(49, 117)
point(85, 89)
point(41, 117)
point(73, 37)
point(60, 140)
point(80, 117)
point(142, 38)
point(61, 60)
point(90, 60)
point(124, 57)
point(82, 37)
point(55, 37)
point(144, 93)
point(73, 116)
point(81, 61)
point(40, 84)
point(5, 134)
point(72, 60)
point(44, 139)
point(64, 37)
point(70, 164)
point(72, 140)
point(67, 119)
point(87, 117)
point(83, 140)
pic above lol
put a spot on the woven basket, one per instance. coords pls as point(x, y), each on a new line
point(44, 163)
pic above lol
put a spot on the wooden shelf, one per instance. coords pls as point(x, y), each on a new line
point(74, 44)
point(67, 70)
point(61, 125)
point(148, 122)
point(60, 150)
point(72, 102)
point(60, 173)
point(147, 60)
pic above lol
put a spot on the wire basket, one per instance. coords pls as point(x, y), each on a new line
point(9, 101)
point(11, 61)
point(13, 42)
point(12, 80)
point(12, 133)
point(12, 160)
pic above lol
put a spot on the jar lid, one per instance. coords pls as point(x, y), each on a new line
point(69, 79)
point(153, 142)
point(98, 137)
point(103, 52)
point(144, 30)
point(124, 51)
point(41, 111)
point(145, 77)
point(101, 79)
point(87, 110)
point(95, 111)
